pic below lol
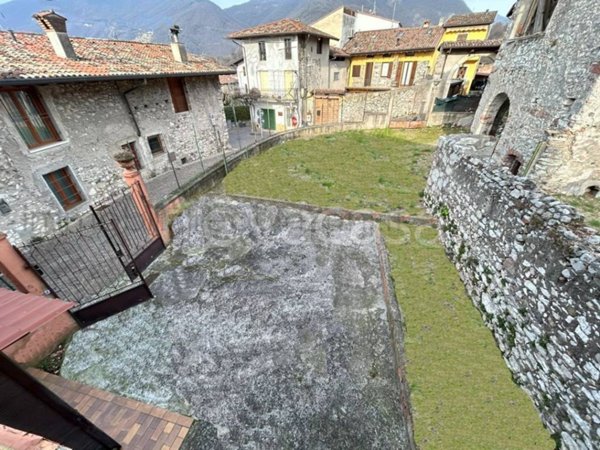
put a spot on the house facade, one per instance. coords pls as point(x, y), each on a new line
point(344, 22)
point(464, 43)
point(543, 99)
point(68, 104)
point(285, 61)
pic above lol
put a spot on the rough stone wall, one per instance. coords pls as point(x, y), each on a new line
point(406, 102)
point(188, 134)
point(549, 79)
point(93, 122)
point(533, 270)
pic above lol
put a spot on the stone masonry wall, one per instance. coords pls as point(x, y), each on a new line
point(549, 79)
point(93, 122)
point(533, 270)
point(406, 103)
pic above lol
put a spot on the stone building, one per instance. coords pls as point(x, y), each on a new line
point(67, 104)
point(344, 22)
point(543, 99)
point(286, 61)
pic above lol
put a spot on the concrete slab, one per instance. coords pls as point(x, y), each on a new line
point(274, 327)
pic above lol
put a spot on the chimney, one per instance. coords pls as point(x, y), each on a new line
point(426, 24)
point(55, 27)
point(178, 49)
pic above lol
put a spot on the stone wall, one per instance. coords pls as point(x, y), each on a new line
point(382, 107)
point(93, 121)
point(533, 270)
point(551, 81)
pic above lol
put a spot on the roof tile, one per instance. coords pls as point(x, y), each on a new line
point(472, 19)
point(394, 40)
point(283, 27)
point(29, 56)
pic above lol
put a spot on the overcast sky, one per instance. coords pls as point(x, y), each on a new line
point(476, 5)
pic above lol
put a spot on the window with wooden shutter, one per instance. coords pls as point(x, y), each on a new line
point(407, 73)
point(29, 114)
point(64, 188)
point(178, 97)
point(398, 74)
point(356, 71)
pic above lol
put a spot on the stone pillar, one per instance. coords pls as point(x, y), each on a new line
point(16, 269)
point(134, 180)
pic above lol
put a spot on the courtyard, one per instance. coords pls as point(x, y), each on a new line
point(268, 330)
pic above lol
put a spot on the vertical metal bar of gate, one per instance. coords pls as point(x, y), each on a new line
point(111, 243)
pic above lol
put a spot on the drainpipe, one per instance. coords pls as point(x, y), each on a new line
point(128, 105)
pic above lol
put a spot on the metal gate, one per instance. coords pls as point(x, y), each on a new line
point(99, 262)
point(131, 209)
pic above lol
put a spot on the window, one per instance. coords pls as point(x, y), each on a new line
point(28, 113)
point(288, 48)
point(356, 71)
point(64, 188)
point(262, 51)
point(336, 76)
point(156, 145)
point(405, 75)
point(462, 72)
point(177, 89)
point(319, 46)
point(386, 70)
point(462, 37)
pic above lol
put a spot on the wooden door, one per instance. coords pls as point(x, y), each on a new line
point(369, 74)
point(327, 110)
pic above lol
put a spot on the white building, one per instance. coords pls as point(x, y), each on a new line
point(286, 61)
point(344, 22)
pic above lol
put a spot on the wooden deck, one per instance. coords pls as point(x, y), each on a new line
point(133, 424)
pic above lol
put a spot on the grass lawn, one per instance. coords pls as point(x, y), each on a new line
point(461, 390)
point(381, 171)
point(589, 207)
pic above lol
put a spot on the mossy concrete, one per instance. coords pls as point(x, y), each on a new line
point(274, 327)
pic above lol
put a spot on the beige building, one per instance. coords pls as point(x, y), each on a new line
point(286, 61)
point(344, 22)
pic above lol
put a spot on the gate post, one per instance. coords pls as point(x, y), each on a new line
point(134, 180)
point(17, 269)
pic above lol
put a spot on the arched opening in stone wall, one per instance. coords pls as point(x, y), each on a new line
point(592, 191)
point(500, 119)
point(513, 164)
point(494, 120)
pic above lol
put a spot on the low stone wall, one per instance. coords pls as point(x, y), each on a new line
point(211, 178)
point(533, 270)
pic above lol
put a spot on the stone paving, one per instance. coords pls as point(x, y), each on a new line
point(273, 327)
point(164, 184)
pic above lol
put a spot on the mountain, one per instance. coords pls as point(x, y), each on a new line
point(409, 12)
point(204, 25)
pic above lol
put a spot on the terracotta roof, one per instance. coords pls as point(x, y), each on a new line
point(468, 20)
point(337, 53)
point(283, 27)
point(466, 45)
point(28, 56)
point(20, 314)
point(228, 79)
point(329, 91)
point(394, 40)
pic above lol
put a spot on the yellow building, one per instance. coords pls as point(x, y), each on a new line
point(466, 32)
point(383, 59)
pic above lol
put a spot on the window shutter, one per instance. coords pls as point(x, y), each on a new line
point(399, 74)
point(413, 73)
point(177, 89)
